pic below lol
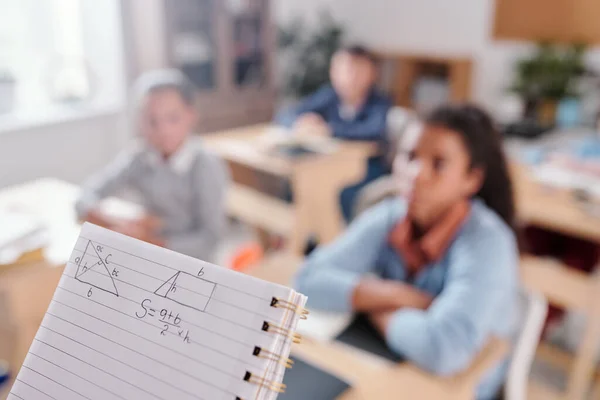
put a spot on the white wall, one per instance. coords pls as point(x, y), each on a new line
point(148, 34)
point(68, 150)
point(444, 27)
point(438, 26)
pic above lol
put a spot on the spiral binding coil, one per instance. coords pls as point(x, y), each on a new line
point(279, 303)
point(267, 384)
point(270, 327)
point(269, 355)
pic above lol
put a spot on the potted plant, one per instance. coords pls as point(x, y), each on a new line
point(7, 91)
point(308, 53)
point(549, 76)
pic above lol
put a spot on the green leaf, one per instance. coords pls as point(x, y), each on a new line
point(310, 53)
point(550, 73)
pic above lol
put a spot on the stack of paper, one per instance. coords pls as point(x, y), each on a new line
point(278, 138)
point(560, 177)
point(19, 233)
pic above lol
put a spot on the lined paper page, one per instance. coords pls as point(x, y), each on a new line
point(134, 321)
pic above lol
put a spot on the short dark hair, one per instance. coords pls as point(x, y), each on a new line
point(359, 51)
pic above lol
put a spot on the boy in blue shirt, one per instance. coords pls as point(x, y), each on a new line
point(349, 108)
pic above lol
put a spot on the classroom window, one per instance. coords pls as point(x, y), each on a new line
point(61, 52)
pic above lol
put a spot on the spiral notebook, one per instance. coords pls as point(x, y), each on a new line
point(130, 320)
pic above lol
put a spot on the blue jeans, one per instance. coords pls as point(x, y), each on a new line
point(376, 168)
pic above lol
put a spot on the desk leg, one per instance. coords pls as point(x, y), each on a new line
point(25, 293)
point(317, 185)
point(584, 366)
point(7, 330)
point(8, 339)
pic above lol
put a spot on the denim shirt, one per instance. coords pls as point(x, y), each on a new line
point(367, 123)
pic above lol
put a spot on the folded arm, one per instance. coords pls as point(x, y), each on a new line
point(446, 337)
point(382, 297)
point(336, 277)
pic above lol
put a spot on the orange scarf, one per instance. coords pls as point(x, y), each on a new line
point(418, 252)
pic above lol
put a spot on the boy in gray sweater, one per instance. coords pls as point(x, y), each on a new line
point(181, 186)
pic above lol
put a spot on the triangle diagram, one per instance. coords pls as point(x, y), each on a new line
point(165, 288)
point(93, 270)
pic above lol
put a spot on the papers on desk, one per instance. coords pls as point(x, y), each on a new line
point(279, 139)
point(14, 227)
point(556, 162)
point(121, 209)
point(19, 234)
point(560, 177)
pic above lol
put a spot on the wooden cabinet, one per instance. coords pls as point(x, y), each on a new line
point(555, 20)
point(226, 47)
point(402, 72)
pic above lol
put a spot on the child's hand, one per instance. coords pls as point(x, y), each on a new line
point(97, 218)
point(412, 297)
point(381, 320)
point(407, 296)
point(155, 239)
point(312, 124)
point(132, 229)
point(150, 222)
point(138, 229)
point(374, 295)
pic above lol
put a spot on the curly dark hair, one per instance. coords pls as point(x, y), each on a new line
point(484, 145)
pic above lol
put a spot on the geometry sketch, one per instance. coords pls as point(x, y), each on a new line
point(187, 290)
point(92, 270)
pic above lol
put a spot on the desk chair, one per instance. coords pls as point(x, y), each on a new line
point(573, 290)
point(398, 120)
point(375, 192)
point(534, 308)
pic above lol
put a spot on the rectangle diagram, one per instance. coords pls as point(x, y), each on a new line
point(187, 290)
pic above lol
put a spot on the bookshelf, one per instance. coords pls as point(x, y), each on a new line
point(226, 47)
point(402, 72)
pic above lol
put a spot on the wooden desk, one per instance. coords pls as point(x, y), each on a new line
point(552, 209)
point(373, 378)
point(27, 286)
point(52, 201)
point(316, 181)
point(556, 210)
